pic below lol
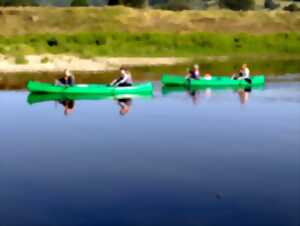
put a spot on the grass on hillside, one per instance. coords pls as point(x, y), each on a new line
point(94, 44)
point(32, 20)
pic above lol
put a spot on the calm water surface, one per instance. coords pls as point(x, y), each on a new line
point(217, 157)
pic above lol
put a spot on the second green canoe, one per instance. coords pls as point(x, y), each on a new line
point(176, 80)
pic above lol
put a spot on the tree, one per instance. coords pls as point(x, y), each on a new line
point(269, 4)
point(136, 3)
point(79, 3)
point(131, 3)
point(114, 2)
point(20, 3)
point(237, 4)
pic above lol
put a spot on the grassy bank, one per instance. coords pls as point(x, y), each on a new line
point(32, 20)
point(93, 44)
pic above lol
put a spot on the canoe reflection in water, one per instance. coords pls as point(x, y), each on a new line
point(68, 100)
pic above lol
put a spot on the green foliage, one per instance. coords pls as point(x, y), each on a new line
point(270, 4)
point(131, 3)
point(237, 4)
point(292, 7)
point(79, 3)
point(45, 60)
point(20, 3)
point(94, 44)
point(20, 59)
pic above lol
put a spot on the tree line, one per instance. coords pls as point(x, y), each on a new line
point(164, 4)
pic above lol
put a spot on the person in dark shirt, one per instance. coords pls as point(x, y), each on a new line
point(67, 80)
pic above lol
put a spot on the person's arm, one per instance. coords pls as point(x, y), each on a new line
point(122, 79)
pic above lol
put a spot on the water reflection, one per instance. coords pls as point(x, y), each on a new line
point(68, 100)
point(69, 106)
point(244, 94)
point(196, 93)
point(125, 105)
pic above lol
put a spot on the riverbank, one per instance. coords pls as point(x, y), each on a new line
point(58, 63)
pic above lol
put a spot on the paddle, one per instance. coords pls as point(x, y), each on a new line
point(248, 80)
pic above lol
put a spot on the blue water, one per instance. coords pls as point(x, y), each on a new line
point(170, 161)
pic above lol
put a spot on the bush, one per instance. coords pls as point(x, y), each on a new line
point(292, 8)
point(131, 3)
point(19, 3)
point(269, 4)
point(20, 59)
point(45, 60)
point(177, 5)
point(136, 3)
point(237, 4)
point(79, 3)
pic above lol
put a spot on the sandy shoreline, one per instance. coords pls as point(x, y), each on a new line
point(57, 63)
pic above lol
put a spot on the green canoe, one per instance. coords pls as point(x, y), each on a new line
point(34, 98)
point(176, 80)
point(41, 87)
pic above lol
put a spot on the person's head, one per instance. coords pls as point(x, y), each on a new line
point(196, 67)
point(244, 66)
point(123, 70)
point(67, 73)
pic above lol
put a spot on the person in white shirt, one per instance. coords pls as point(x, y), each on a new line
point(244, 74)
point(125, 78)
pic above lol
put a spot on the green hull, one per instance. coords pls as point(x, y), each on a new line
point(34, 98)
point(40, 87)
point(216, 81)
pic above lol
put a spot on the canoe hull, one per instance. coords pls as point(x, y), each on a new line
point(216, 81)
point(40, 87)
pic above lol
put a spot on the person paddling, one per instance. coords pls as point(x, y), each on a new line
point(243, 74)
point(67, 80)
point(125, 78)
point(194, 73)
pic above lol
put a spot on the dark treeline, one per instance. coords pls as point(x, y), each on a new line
point(163, 4)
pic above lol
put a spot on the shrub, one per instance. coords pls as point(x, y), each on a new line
point(79, 3)
point(292, 7)
point(20, 59)
point(237, 4)
point(45, 60)
point(269, 4)
point(131, 3)
point(19, 3)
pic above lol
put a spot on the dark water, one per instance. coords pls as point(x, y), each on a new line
point(219, 157)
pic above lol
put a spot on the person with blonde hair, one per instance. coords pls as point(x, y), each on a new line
point(67, 80)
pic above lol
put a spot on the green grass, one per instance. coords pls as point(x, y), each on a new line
point(45, 60)
point(33, 20)
point(20, 59)
point(92, 44)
